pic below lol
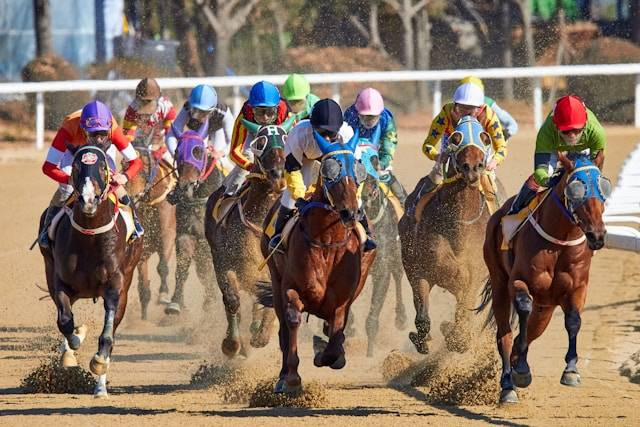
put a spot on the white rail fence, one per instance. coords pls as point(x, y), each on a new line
point(235, 82)
point(623, 207)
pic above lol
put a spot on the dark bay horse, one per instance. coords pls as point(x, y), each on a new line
point(90, 258)
point(234, 238)
point(388, 264)
point(443, 248)
point(546, 266)
point(149, 190)
point(323, 267)
point(198, 177)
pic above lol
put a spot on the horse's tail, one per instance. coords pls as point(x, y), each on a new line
point(487, 298)
point(264, 293)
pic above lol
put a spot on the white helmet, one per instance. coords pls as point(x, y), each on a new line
point(469, 94)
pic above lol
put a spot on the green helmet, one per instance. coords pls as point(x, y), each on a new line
point(296, 87)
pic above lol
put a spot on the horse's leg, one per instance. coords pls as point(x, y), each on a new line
point(293, 317)
point(167, 222)
point(501, 304)
point(333, 354)
point(421, 289)
point(262, 325)
point(523, 303)
point(185, 248)
point(101, 360)
point(401, 313)
point(204, 269)
point(572, 322)
point(229, 286)
point(458, 335)
point(72, 335)
point(381, 279)
point(144, 286)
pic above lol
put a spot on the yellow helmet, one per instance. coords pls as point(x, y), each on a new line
point(473, 79)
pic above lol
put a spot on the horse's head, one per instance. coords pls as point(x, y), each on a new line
point(90, 177)
point(585, 190)
point(341, 174)
point(370, 190)
point(137, 184)
point(469, 145)
point(268, 149)
point(191, 159)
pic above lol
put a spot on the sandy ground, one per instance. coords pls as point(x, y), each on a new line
point(152, 364)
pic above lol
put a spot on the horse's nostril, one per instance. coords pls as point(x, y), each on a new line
point(346, 215)
point(466, 167)
point(480, 165)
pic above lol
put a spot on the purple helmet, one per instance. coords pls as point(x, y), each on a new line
point(95, 117)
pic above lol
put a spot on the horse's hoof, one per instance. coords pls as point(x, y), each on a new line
point(508, 396)
point(230, 347)
point(172, 308)
point(293, 389)
point(77, 337)
point(99, 365)
point(420, 344)
point(279, 387)
point(340, 362)
point(100, 393)
point(259, 341)
point(254, 328)
point(163, 298)
point(521, 380)
point(319, 344)
point(571, 379)
point(68, 359)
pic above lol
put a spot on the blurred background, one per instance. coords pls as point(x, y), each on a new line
point(43, 40)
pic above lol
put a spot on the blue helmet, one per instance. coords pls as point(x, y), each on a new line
point(264, 94)
point(203, 97)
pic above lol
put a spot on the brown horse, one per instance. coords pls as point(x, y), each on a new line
point(443, 247)
point(90, 258)
point(323, 268)
point(198, 178)
point(235, 239)
point(547, 265)
point(149, 190)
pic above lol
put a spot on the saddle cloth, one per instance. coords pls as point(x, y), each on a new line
point(225, 204)
point(397, 206)
point(511, 224)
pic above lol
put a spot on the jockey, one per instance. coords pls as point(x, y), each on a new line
point(208, 116)
point(94, 124)
point(572, 127)
point(468, 100)
point(302, 152)
point(509, 124)
point(377, 129)
point(297, 92)
point(148, 118)
point(264, 107)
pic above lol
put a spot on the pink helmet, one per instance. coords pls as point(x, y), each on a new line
point(369, 102)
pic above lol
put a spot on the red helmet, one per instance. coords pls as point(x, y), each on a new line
point(569, 113)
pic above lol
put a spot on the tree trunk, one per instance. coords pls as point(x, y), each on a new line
point(42, 20)
point(409, 46)
point(507, 54)
point(525, 10)
point(188, 55)
point(257, 53)
point(280, 28)
point(223, 45)
point(374, 30)
point(423, 57)
point(634, 16)
point(560, 53)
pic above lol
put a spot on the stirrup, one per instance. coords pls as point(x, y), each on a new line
point(370, 244)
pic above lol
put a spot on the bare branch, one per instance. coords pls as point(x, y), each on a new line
point(211, 17)
point(238, 19)
point(394, 4)
point(418, 7)
point(467, 8)
point(360, 27)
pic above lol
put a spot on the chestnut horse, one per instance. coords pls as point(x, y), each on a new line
point(323, 267)
point(149, 190)
point(383, 219)
point(443, 247)
point(90, 258)
point(235, 240)
point(546, 266)
point(198, 177)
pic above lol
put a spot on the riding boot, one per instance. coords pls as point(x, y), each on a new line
point(523, 198)
point(284, 215)
point(397, 189)
point(369, 244)
point(139, 231)
point(43, 238)
point(427, 187)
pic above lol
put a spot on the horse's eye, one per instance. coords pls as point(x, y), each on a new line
point(604, 184)
point(360, 172)
point(330, 169)
point(575, 190)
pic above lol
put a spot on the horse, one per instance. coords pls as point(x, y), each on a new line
point(323, 267)
point(198, 177)
point(545, 265)
point(149, 190)
point(441, 245)
point(234, 232)
point(90, 258)
point(383, 219)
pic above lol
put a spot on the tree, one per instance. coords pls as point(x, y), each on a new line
point(371, 32)
point(525, 10)
point(407, 10)
point(42, 24)
point(188, 55)
point(226, 18)
point(424, 45)
point(507, 53)
point(634, 16)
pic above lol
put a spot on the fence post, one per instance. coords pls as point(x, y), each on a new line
point(335, 89)
point(437, 97)
point(537, 104)
point(637, 102)
point(39, 121)
point(237, 100)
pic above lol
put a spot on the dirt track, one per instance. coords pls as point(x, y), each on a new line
point(149, 379)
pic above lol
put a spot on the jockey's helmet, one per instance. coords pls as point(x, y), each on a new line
point(203, 97)
point(473, 79)
point(95, 117)
point(264, 94)
point(326, 115)
point(569, 113)
point(469, 94)
point(296, 88)
point(369, 102)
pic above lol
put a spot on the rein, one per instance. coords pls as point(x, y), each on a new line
point(309, 239)
point(382, 203)
point(99, 230)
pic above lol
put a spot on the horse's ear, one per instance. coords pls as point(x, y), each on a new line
point(566, 162)
point(323, 144)
point(353, 142)
point(599, 160)
point(288, 124)
point(485, 138)
point(251, 127)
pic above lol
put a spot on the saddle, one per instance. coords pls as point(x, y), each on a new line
point(397, 206)
point(225, 204)
point(512, 224)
